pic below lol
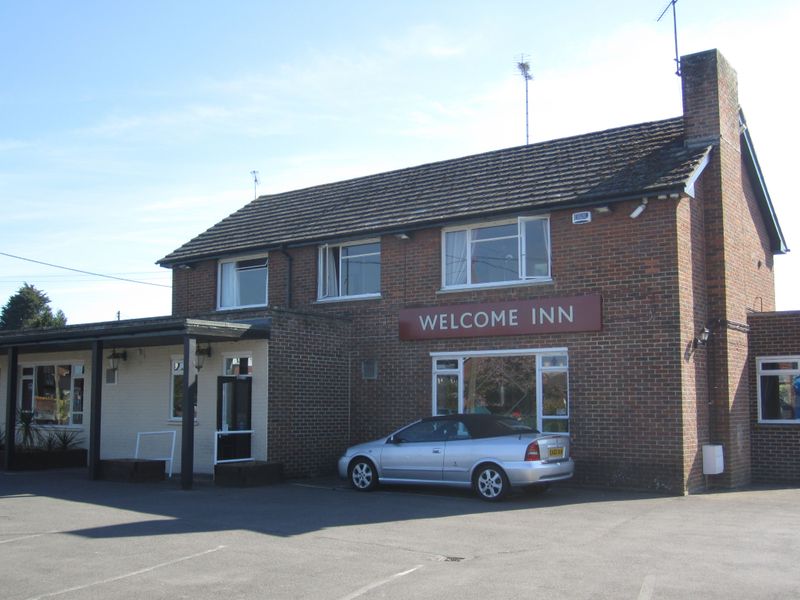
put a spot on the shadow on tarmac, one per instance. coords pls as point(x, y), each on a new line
point(282, 510)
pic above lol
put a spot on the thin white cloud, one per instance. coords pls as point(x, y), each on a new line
point(10, 145)
point(429, 40)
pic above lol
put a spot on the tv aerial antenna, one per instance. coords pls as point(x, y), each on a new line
point(255, 183)
point(525, 70)
point(672, 4)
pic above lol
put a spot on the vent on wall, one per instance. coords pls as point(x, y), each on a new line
point(585, 216)
point(369, 368)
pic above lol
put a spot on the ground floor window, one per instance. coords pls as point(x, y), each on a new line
point(779, 389)
point(53, 393)
point(530, 385)
point(237, 365)
point(176, 390)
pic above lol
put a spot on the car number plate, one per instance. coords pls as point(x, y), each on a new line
point(556, 452)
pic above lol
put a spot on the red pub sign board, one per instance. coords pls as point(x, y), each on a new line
point(519, 317)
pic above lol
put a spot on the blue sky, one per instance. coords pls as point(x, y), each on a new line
point(128, 128)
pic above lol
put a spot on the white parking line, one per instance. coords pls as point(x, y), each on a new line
point(126, 575)
point(372, 586)
point(27, 537)
point(648, 585)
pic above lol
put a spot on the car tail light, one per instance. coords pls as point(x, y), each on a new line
point(532, 453)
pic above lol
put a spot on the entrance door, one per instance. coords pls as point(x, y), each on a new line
point(234, 418)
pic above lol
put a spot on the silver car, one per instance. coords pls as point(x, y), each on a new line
point(489, 453)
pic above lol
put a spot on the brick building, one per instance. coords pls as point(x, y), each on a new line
point(598, 285)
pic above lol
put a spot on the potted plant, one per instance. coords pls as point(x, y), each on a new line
point(53, 449)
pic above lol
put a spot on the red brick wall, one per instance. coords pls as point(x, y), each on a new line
point(308, 405)
point(774, 448)
point(694, 317)
point(194, 290)
point(625, 381)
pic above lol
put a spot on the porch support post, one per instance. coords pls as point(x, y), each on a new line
point(189, 397)
point(11, 406)
point(96, 405)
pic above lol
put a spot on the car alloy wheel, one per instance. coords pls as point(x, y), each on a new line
point(362, 475)
point(491, 483)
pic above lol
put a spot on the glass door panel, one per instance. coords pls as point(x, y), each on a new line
point(234, 414)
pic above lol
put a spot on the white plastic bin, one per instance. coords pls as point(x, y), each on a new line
point(713, 463)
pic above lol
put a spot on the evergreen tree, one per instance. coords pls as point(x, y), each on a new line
point(29, 309)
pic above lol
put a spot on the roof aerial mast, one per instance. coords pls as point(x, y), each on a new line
point(672, 4)
point(525, 71)
point(255, 183)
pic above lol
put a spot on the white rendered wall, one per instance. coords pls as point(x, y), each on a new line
point(140, 400)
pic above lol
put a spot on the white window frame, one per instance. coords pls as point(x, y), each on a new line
point(177, 358)
point(539, 353)
point(232, 355)
point(522, 278)
point(55, 364)
point(220, 281)
point(321, 258)
point(760, 360)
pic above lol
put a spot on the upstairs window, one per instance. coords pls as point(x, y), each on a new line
point(350, 270)
point(243, 283)
point(496, 253)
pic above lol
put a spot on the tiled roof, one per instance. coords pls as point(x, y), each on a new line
point(595, 167)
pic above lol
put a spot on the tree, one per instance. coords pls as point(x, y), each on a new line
point(29, 309)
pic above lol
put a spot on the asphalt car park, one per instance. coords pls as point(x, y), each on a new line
point(62, 536)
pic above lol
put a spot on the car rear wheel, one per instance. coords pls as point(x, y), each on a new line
point(491, 483)
point(363, 476)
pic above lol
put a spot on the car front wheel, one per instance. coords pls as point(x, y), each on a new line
point(362, 475)
point(491, 483)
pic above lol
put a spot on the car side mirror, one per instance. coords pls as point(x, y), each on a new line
point(394, 439)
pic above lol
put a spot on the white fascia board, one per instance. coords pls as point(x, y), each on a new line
point(689, 185)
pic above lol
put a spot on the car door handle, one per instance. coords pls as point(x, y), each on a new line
point(437, 450)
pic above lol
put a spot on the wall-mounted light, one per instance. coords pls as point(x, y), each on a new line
point(402, 236)
point(603, 209)
point(113, 358)
point(639, 209)
point(702, 338)
point(201, 354)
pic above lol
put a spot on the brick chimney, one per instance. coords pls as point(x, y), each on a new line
point(710, 100)
point(738, 257)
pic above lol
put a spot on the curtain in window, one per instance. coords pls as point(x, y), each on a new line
point(455, 250)
point(229, 293)
point(331, 272)
point(536, 248)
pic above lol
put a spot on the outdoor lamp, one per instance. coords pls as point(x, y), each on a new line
point(702, 339)
point(113, 358)
point(200, 356)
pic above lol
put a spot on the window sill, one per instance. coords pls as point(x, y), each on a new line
point(179, 422)
point(349, 298)
point(54, 427)
point(493, 286)
point(248, 307)
point(781, 422)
